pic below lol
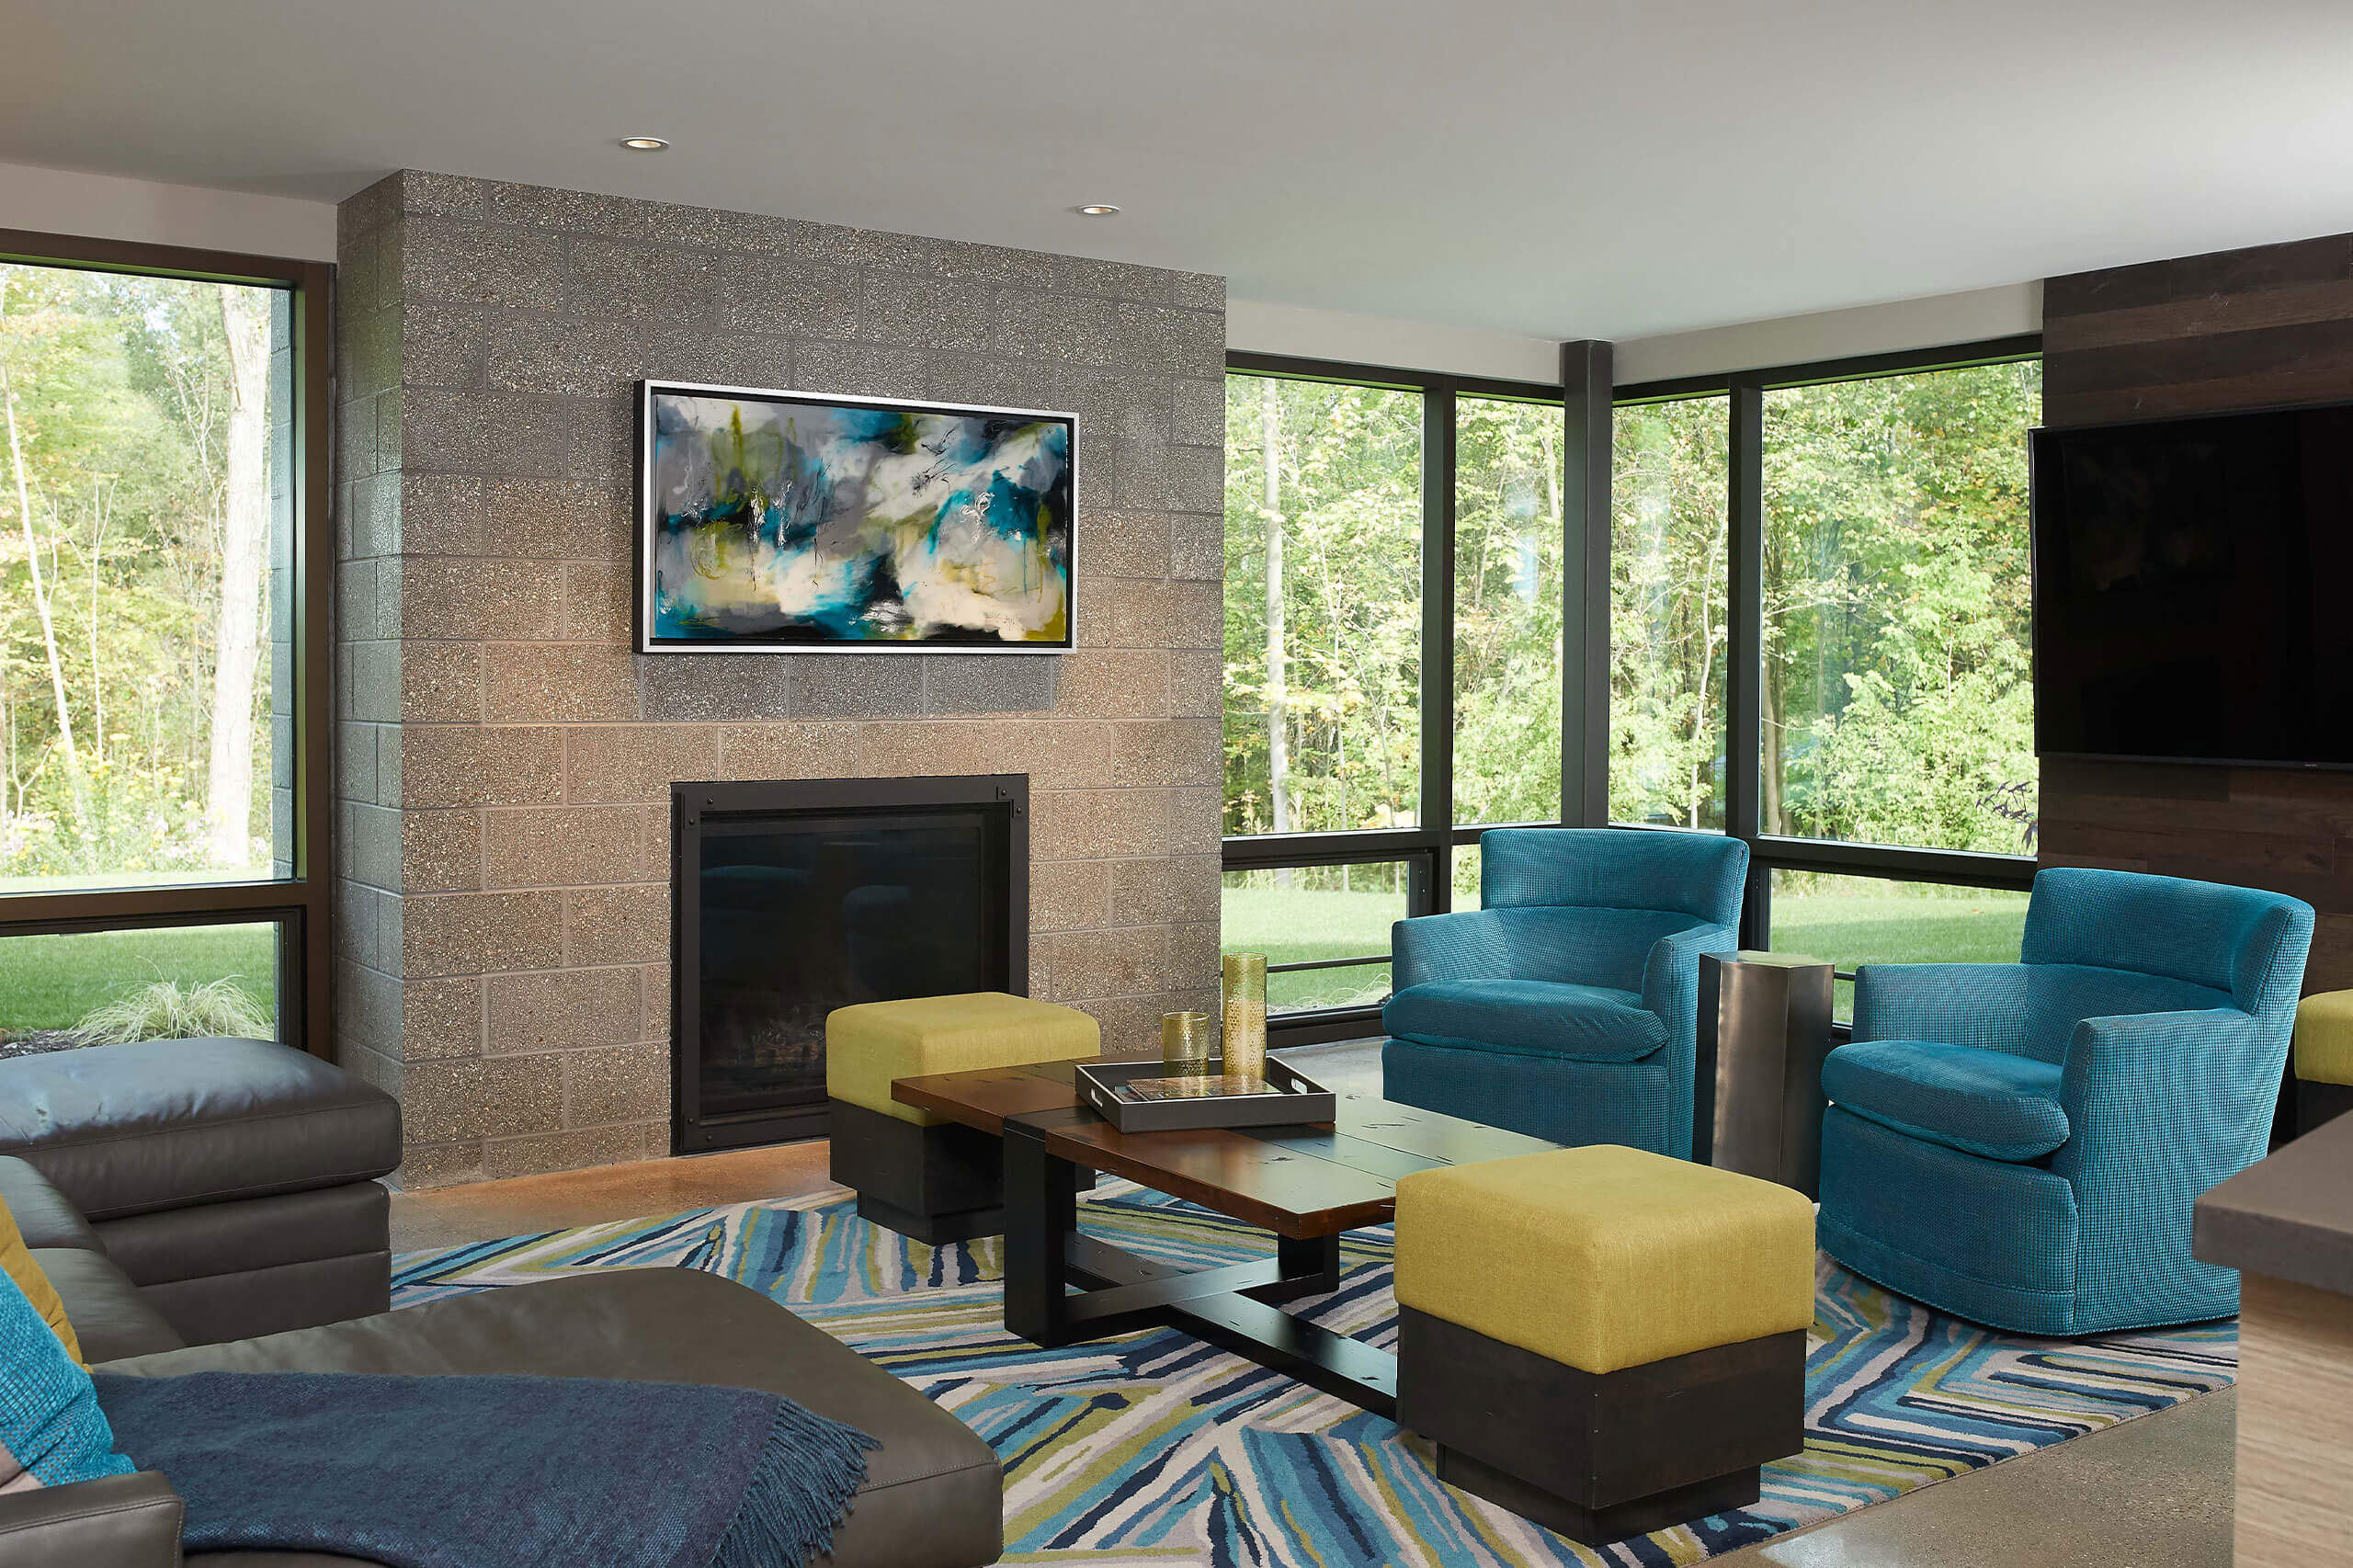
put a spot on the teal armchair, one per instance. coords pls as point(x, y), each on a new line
point(1567, 1005)
point(2020, 1144)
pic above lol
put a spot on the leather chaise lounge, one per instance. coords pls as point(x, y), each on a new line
point(933, 1492)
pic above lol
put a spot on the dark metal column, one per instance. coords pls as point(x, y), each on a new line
point(1437, 810)
point(1745, 662)
point(1586, 456)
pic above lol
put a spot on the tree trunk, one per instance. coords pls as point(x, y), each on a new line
point(1278, 675)
point(77, 782)
point(244, 554)
point(1770, 769)
point(101, 512)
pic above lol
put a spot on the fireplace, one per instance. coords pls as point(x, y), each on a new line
point(793, 897)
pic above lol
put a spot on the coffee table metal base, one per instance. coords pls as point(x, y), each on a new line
point(1233, 1308)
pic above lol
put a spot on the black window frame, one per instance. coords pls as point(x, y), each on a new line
point(299, 905)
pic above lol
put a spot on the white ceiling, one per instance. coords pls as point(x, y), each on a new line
point(1563, 168)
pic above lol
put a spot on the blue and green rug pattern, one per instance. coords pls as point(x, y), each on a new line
point(1157, 1450)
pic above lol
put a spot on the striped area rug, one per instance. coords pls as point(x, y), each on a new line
point(1155, 1449)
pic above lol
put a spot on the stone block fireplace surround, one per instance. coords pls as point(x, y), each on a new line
point(504, 762)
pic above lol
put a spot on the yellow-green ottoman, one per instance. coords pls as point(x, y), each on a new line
point(2323, 1058)
point(1600, 1339)
point(924, 1177)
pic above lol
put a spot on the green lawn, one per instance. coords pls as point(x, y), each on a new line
point(54, 981)
point(1294, 924)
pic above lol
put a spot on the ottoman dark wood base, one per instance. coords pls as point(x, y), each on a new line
point(935, 1184)
point(1600, 1456)
point(2317, 1103)
point(939, 1184)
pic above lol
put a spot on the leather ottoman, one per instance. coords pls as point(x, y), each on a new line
point(232, 1180)
point(931, 1181)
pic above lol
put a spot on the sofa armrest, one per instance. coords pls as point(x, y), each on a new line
point(1984, 1004)
point(115, 1521)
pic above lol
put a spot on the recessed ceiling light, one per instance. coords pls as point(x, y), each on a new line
point(1097, 209)
point(644, 143)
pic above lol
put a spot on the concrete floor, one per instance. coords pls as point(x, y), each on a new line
point(2155, 1492)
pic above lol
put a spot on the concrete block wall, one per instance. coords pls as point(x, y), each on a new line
point(503, 757)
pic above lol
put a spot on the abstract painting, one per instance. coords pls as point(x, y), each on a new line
point(787, 522)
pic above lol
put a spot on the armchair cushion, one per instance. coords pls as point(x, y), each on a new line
point(1988, 1103)
point(1590, 1023)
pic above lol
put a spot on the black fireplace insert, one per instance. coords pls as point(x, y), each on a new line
point(792, 898)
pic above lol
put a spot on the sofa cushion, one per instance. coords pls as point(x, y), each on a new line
point(162, 1124)
point(1980, 1102)
point(1587, 1022)
point(932, 1490)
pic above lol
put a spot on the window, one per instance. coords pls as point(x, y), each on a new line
point(1820, 617)
point(1323, 606)
point(151, 510)
point(54, 984)
point(1669, 617)
point(1817, 602)
point(1324, 930)
point(1395, 549)
point(162, 700)
point(1898, 702)
point(1507, 540)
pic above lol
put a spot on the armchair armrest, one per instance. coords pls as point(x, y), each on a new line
point(1671, 973)
point(1983, 1005)
point(2202, 1080)
point(115, 1521)
point(2160, 1107)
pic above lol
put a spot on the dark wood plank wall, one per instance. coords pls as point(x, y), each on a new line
point(2235, 330)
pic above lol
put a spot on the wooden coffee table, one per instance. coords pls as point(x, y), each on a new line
point(1306, 1183)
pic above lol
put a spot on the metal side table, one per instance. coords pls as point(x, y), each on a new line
point(1757, 1094)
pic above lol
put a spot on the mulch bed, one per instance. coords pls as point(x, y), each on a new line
point(34, 1043)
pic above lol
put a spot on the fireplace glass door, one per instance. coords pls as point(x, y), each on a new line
point(788, 913)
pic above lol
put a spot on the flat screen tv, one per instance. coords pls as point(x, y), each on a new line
point(787, 522)
point(2190, 582)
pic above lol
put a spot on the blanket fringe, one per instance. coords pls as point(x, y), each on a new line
point(784, 1525)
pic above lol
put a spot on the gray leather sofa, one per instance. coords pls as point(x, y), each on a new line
point(932, 1490)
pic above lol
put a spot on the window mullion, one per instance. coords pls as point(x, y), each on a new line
point(1438, 630)
point(1744, 663)
point(1588, 410)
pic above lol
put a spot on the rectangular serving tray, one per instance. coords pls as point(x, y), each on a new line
point(1303, 1100)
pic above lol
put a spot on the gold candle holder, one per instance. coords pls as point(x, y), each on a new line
point(1246, 1015)
point(1184, 1044)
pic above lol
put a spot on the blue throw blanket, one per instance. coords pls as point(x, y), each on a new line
point(492, 1473)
